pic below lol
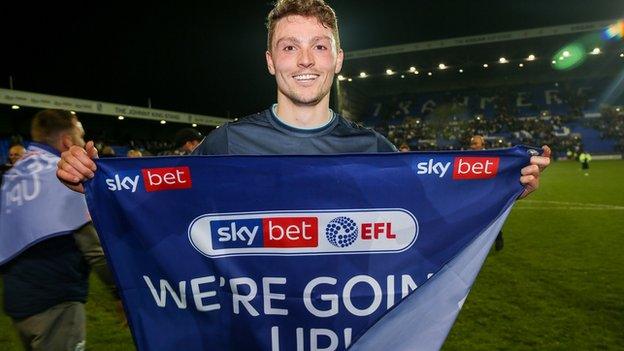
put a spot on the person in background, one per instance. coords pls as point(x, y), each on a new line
point(186, 140)
point(108, 151)
point(134, 153)
point(48, 244)
point(477, 142)
point(15, 153)
point(404, 147)
point(584, 158)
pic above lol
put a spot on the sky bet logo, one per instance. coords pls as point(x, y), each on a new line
point(154, 179)
point(303, 232)
point(464, 167)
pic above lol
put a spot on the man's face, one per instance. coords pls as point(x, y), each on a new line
point(304, 59)
point(476, 144)
point(190, 145)
point(15, 153)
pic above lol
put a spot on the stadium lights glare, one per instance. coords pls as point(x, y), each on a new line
point(412, 69)
point(596, 51)
point(442, 66)
point(121, 118)
point(622, 54)
point(341, 77)
point(429, 74)
point(72, 112)
point(416, 72)
point(350, 80)
point(389, 72)
point(402, 76)
point(363, 75)
point(561, 58)
point(485, 65)
point(521, 65)
point(617, 109)
point(15, 107)
point(194, 125)
point(553, 62)
point(162, 121)
point(461, 70)
point(531, 57)
point(502, 60)
point(565, 53)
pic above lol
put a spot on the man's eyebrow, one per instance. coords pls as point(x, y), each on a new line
point(321, 37)
point(297, 41)
point(289, 39)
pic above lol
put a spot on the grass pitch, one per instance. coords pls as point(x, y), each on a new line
point(558, 284)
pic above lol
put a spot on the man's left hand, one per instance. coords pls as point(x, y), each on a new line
point(530, 174)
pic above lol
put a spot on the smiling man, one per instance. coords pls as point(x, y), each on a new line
point(304, 55)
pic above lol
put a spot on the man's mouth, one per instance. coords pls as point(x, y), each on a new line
point(305, 77)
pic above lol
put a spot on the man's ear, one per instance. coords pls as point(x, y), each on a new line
point(339, 61)
point(66, 141)
point(269, 60)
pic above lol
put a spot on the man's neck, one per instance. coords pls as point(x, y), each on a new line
point(305, 117)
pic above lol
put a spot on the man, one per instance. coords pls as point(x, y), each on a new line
point(134, 153)
point(15, 153)
point(477, 142)
point(585, 158)
point(304, 54)
point(186, 140)
point(46, 249)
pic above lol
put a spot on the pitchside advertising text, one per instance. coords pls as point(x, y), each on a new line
point(294, 233)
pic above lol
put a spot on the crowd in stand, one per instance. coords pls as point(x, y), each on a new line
point(504, 128)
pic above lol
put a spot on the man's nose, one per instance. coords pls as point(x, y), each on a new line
point(306, 59)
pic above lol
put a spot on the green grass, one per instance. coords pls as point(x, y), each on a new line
point(557, 285)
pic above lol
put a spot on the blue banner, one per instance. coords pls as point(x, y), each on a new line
point(322, 252)
point(34, 205)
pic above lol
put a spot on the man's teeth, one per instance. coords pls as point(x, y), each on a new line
point(306, 77)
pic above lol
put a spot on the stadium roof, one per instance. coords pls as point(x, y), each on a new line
point(484, 60)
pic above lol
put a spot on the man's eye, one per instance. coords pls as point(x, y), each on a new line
point(321, 47)
point(289, 48)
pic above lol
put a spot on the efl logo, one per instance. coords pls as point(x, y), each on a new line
point(304, 232)
point(167, 178)
point(475, 167)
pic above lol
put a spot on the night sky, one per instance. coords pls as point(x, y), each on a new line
point(208, 57)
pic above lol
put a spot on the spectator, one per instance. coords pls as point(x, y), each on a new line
point(186, 140)
point(134, 153)
point(45, 264)
point(15, 153)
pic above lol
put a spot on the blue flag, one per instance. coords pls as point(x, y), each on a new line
point(35, 205)
point(322, 252)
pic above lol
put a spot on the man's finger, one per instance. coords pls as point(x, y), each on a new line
point(91, 150)
point(80, 155)
point(75, 177)
point(76, 164)
point(531, 169)
point(67, 177)
point(528, 180)
point(547, 152)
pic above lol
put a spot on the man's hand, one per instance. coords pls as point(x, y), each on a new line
point(76, 166)
point(531, 173)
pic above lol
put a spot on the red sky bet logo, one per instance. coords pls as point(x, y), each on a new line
point(167, 178)
point(290, 232)
point(475, 167)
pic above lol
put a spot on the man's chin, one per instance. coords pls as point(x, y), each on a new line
point(305, 100)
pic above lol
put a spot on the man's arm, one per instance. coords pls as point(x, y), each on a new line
point(76, 166)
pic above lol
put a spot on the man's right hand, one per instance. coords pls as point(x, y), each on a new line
point(76, 166)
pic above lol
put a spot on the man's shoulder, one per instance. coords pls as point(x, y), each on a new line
point(217, 141)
